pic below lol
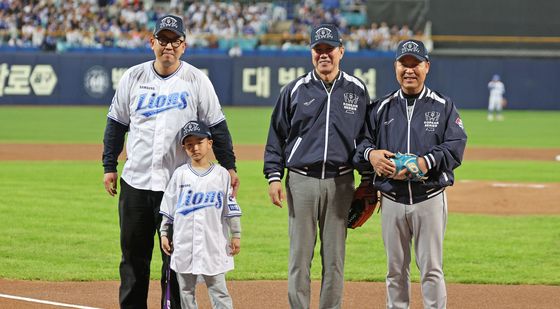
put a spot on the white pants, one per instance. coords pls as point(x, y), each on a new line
point(424, 223)
point(495, 104)
point(217, 291)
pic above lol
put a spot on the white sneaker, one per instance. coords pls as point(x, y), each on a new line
point(500, 117)
point(490, 117)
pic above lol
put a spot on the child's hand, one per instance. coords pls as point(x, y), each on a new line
point(166, 245)
point(235, 246)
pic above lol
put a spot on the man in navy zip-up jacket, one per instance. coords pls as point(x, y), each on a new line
point(313, 133)
point(417, 120)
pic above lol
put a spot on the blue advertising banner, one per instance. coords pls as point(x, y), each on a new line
point(91, 79)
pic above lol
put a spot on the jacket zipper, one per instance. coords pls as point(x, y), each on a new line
point(409, 119)
point(327, 127)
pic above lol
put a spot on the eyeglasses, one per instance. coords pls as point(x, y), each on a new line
point(164, 41)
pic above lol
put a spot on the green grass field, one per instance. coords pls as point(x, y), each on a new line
point(250, 126)
point(59, 224)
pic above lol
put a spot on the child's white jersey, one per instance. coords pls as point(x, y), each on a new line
point(197, 204)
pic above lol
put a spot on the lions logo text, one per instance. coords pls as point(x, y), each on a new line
point(190, 201)
point(155, 104)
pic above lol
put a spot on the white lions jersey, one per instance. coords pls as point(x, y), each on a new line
point(155, 109)
point(197, 204)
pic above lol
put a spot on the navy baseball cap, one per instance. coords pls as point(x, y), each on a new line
point(414, 48)
point(195, 128)
point(325, 33)
point(172, 23)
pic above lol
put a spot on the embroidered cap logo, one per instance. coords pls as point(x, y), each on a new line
point(323, 33)
point(410, 47)
point(191, 127)
point(169, 22)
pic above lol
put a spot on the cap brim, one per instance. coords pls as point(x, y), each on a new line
point(331, 43)
point(202, 135)
point(179, 33)
point(413, 55)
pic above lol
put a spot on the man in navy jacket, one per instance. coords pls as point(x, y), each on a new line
point(417, 120)
point(313, 133)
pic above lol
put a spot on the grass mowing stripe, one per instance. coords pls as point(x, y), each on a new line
point(63, 226)
point(518, 171)
point(249, 125)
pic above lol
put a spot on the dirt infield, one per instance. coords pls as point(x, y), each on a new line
point(272, 295)
point(491, 198)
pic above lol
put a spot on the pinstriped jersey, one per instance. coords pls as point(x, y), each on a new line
point(155, 109)
point(497, 89)
point(197, 204)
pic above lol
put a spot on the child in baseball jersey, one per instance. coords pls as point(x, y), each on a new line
point(198, 207)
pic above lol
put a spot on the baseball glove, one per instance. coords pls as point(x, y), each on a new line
point(363, 204)
point(409, 162)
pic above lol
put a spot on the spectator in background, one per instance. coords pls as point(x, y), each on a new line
point(235, 51)
point(496, 101)
point(126, 24)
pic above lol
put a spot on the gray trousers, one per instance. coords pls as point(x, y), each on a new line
point(217, 291)
point(324, 203)
point(424, 223)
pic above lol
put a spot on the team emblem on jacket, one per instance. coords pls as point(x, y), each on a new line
point(432, 120)
point(350, 103)
point(459, 122)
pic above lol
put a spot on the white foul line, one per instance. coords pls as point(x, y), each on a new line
point(46, 302)
point(518, 185)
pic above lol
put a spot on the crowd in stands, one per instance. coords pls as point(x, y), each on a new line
point(60, 25)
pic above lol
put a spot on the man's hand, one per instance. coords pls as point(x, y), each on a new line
point(422, 165)
point(379, 159)
point(275, 193)
point(110, 182)
point(234, 181)
point(235, 246)
point(166, 245)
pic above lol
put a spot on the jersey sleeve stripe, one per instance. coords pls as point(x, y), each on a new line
point(115, 119)
point(354, 80)
point(300, 82)
point(216, 122)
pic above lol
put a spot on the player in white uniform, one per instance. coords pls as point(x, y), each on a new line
point(152, 102)
point(198, 206)
point(496, 99)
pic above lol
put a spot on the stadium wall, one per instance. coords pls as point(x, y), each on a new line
point(90, 79)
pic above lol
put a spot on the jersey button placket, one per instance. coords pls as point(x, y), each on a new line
point(198, 236)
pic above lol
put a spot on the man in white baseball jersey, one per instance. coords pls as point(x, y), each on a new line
point(152, 102)
point(198, 206)
point(496, 99)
